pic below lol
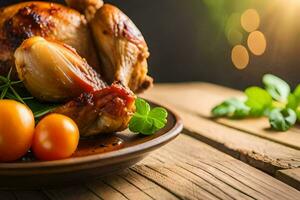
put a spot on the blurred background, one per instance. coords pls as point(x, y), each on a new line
point(228, 42)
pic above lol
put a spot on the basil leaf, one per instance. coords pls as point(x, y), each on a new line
point(258, 100)
point(276, 87)
point(282, 119)
point(146, 120)
point(232, 108)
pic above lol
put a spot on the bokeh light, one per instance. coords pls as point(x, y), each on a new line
point(240, 57)
point(250, 20)
point(234, 37)
point(257, 43)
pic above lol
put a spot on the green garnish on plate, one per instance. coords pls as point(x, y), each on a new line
point(147, 121)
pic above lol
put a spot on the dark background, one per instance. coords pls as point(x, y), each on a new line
point(187, 40)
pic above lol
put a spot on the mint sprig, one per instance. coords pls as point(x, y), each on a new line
point(275, 101)
point(147, 121)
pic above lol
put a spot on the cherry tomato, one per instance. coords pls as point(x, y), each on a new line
point(16, 130)
point(56, 137)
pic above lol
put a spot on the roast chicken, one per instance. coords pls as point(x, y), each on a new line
point(89, 57)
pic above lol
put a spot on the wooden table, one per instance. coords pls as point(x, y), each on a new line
point(211, 159)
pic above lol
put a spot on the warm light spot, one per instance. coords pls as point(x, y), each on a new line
point(234, 37)
point(240, 57)
point(250, 20)
point(47, 145)
point(257, 43)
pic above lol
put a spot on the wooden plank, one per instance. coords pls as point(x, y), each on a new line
point(150, 188)
point(126, 188)
point(290, 177)
point(79, 192)
point(200, 98)
point(258, 152)
point(105, 191)
point(193, 170)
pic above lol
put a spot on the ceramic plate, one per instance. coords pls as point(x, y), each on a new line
point(96, 157)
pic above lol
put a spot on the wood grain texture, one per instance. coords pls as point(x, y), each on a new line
point(192, 170)
point(194, 108)
point(290, 177)
point(200, 98)
point(79, 192)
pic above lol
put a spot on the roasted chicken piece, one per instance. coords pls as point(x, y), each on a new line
point(103, 111)
point(122, 48)
point(49, 20)
point(52, 71)
point(87, 7)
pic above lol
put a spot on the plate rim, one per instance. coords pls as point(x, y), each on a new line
point(136, 149)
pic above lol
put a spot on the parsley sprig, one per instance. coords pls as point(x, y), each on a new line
point(147, 121)
point(275, 100)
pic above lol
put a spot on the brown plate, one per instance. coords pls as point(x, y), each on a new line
point(96, 157)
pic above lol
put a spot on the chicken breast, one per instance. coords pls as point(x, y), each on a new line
point(49, 20)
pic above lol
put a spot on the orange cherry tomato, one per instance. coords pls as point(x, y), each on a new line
point(16, 130)
point(56, 137)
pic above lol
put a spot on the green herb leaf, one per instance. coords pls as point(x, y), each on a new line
point(232, 108)
point(3, 92)
point(146, 120)
point(298, 113)
point(40, 109)
point(282, 119)
point(297, 91)
point(292, 102)
point(258, 100)
point(276, 87)
point(294, 99)
point(142, 107)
